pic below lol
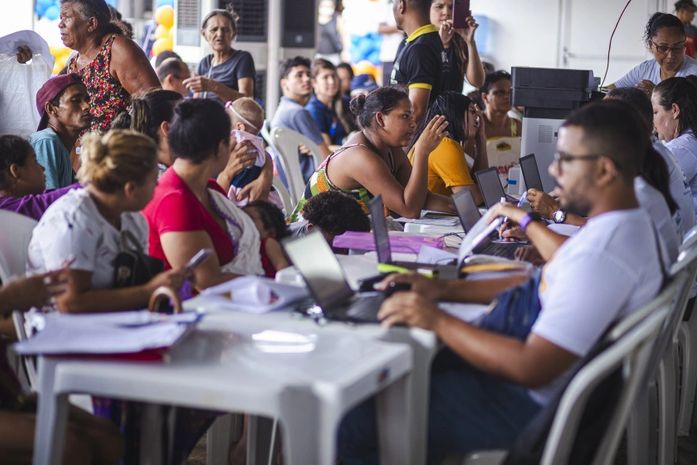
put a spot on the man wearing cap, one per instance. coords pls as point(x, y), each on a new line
point(685, 11)
point(63, 104)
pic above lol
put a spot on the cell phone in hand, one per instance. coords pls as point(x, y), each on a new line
point(197, 259)
point(461, 11)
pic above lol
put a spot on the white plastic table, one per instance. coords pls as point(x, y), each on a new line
point(307, 379)
point(424, 345)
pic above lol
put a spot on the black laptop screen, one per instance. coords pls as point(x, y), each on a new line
point(466, 209)
point(531, 173)
point(490, 186)
point(382, 237)
point(318, 265)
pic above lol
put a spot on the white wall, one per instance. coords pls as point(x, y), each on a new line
point(16, 16)
point(567, 33)
point(521, 32)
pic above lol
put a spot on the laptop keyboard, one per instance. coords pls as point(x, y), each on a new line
point(365, 308)
point(499, 250)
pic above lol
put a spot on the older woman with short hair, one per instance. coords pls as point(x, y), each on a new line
point(111, 66)
point(226, 74)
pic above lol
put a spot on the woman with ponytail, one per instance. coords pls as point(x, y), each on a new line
point(83, 229)
point(190, 211)
point(674, 104)
point(667, 177)
point(373, 163)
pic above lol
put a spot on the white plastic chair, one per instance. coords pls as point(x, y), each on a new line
point(14, 242)
point(288, 204)
point(663, 384)
point(633, 349)
point(286, 143)
point(687, 356)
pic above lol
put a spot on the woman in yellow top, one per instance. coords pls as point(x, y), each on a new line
point(448, 171)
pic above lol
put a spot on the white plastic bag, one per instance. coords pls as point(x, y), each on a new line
point(18, 86)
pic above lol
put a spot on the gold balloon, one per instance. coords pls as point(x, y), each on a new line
point(164, 16)
point(161, 32)
point(161, 45)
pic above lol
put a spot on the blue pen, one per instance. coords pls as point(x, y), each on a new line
point(521, 201)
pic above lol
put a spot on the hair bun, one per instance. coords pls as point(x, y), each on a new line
point(185, 109)
point(94, 148)
point(357, 104)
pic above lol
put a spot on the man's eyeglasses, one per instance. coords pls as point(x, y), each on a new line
point(664, 49)
point(562, 157)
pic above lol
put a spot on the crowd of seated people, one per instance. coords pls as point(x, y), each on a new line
point(168, 163)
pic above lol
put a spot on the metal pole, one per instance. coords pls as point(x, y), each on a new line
point(274, 56)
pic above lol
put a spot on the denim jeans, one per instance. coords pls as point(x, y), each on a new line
point(468, 411)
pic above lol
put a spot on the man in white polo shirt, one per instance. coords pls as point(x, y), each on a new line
point(609, 269)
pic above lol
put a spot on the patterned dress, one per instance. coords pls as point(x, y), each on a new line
point(319, 182)
point(108, 98)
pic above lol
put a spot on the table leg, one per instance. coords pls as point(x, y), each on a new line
point(302, 428)
point(394, 429)
point(259, 440)
point(423, 352)
point(52, 417)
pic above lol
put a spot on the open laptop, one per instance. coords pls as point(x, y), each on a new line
point(383, 248)
point(325, 279)
point(531, 172)
point(469, 216)
point(490, 186)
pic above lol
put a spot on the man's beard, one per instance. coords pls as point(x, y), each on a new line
point(577, 207)
point(576, 203)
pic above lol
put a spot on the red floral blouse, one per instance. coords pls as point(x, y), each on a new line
point(108, 98)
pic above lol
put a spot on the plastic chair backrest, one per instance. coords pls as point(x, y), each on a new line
point(632, 351)
point(265, 133)
point(288, 204)
point(28, 363)
point(690, 237)
point(14, 242)
point(287, 142)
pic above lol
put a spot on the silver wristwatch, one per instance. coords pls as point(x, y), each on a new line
point(559, 216)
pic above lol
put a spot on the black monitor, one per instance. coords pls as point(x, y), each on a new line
point(552, 88)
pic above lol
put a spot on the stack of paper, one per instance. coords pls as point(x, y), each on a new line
point(254, 294)
point(107, 333)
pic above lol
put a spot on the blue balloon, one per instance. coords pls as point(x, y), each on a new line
point(112, 3)
point(40, 10)
point(53, 12)
point(160, 3)
point(45, 3)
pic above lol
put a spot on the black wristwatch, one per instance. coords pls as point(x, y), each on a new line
point(559, 216)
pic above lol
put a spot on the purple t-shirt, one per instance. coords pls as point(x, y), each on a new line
point(34, 205)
